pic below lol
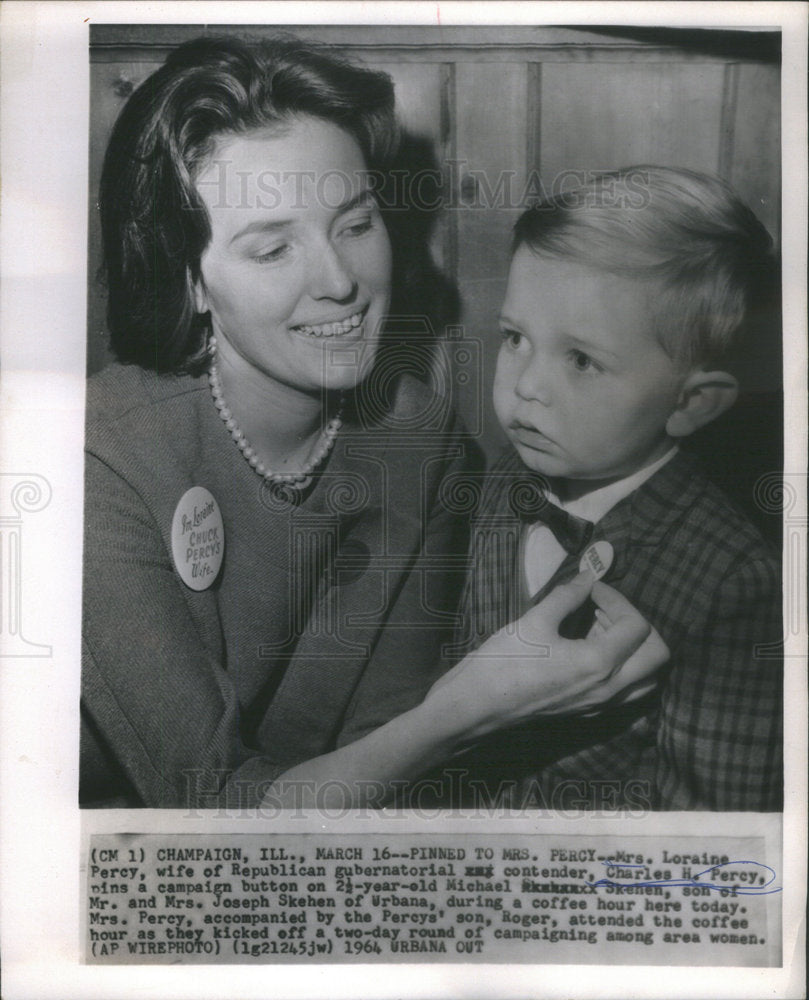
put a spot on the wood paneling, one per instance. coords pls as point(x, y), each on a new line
point(423, 115)
point(491, 101)
point(490, 43)
point(603, 116)
point(418, 96)
point(754, 169)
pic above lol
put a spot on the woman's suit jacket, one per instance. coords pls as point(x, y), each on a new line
point(325, 621)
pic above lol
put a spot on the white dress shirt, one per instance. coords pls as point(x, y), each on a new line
point(543, 555)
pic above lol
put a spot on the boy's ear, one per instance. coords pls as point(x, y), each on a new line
point(704, 397)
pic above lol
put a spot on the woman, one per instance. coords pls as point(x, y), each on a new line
point(268, 562)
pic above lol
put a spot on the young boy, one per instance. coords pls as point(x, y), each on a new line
point(624, 304)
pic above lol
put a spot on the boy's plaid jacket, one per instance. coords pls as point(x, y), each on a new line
point(710, 737)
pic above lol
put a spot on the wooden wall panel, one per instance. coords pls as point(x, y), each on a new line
point(601, 116)
point(490, 147)
point(421, 107)
point(418, 96)
point(754, 168)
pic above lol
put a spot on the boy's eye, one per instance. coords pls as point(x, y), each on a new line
point(511, 337)
point(583, 362)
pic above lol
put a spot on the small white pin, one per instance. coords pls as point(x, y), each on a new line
point(597, 558)
point(197, 538)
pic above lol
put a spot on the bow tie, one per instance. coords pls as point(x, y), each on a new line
point(528, 501)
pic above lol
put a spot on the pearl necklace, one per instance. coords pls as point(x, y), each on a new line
point(294, 480)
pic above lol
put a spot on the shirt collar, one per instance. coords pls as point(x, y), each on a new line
point(594, 505)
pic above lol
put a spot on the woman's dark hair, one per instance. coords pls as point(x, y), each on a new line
point(154, 224)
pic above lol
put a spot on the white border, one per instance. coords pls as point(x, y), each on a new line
point(43, 143)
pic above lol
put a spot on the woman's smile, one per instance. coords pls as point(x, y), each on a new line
point(335, 328)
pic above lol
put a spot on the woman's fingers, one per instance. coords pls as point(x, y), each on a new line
point(625, 628)
point(600, 624)
point(632, 679)
point(531, 671)
point(612, 602)
point(551, 611)
point(652, 654)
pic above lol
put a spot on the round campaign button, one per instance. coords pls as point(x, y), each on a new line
point(597, 558)
point(197, 538)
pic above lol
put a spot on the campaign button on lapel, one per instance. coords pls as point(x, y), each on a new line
point(597, 558)
point(197, 538)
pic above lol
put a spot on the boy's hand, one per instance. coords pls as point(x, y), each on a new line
point(527, 670)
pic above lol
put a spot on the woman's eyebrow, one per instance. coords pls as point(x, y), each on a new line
point(365, 195)
point(263, 226)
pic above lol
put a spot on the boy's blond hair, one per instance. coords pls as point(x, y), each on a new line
point(679, 227)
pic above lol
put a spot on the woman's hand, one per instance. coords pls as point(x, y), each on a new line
point(528, 670)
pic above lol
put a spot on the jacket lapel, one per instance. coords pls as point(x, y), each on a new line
point(492, 593)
